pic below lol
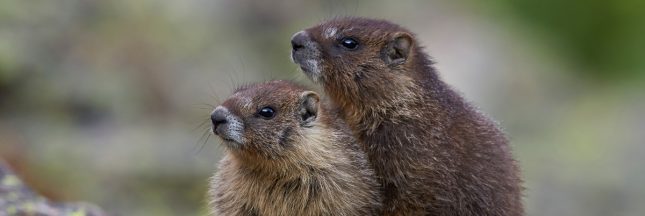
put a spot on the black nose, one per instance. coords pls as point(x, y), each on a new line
point(298, 40)
point(218, 117)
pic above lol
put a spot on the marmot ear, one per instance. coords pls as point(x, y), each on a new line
point(308, 110)
point(397, 50)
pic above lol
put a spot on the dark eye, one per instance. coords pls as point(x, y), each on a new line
point(349, 43)
point(267, 112)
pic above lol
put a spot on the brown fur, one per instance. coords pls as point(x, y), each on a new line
point(435, 153)
point(289, 167)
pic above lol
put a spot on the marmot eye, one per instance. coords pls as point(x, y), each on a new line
point(349, 43)
point(267, 112)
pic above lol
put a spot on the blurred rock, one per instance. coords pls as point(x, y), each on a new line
point(16, 198)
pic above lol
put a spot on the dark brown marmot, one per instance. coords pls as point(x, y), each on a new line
point(288, 155)
point(436, 154)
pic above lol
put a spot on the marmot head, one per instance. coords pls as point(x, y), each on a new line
point(360, 62)
point(265, 119)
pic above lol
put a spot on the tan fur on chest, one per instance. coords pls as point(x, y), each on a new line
point(317, 178)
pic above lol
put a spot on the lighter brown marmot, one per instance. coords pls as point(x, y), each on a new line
point(288, 154)
point(435, 153)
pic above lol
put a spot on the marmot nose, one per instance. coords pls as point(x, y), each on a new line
point(218, 117)
point(298, 40)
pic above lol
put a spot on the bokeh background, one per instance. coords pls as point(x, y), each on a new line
point(103, 101)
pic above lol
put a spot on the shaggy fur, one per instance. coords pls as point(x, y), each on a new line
point(435, 153)
point(303, 161)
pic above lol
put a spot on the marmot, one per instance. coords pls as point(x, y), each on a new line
point(288, 154)
point(435, 153)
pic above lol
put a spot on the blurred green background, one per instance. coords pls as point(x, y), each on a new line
point(102, 101)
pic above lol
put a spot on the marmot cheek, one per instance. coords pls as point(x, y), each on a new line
point(313, 69)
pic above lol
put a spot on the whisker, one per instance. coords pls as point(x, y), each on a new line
point(213, 93)
point(204, 106)
point(204, 144)
point(205, 136)
point(202, 125)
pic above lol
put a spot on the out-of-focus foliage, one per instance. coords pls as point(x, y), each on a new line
point(102, 101)
point(605, 38)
